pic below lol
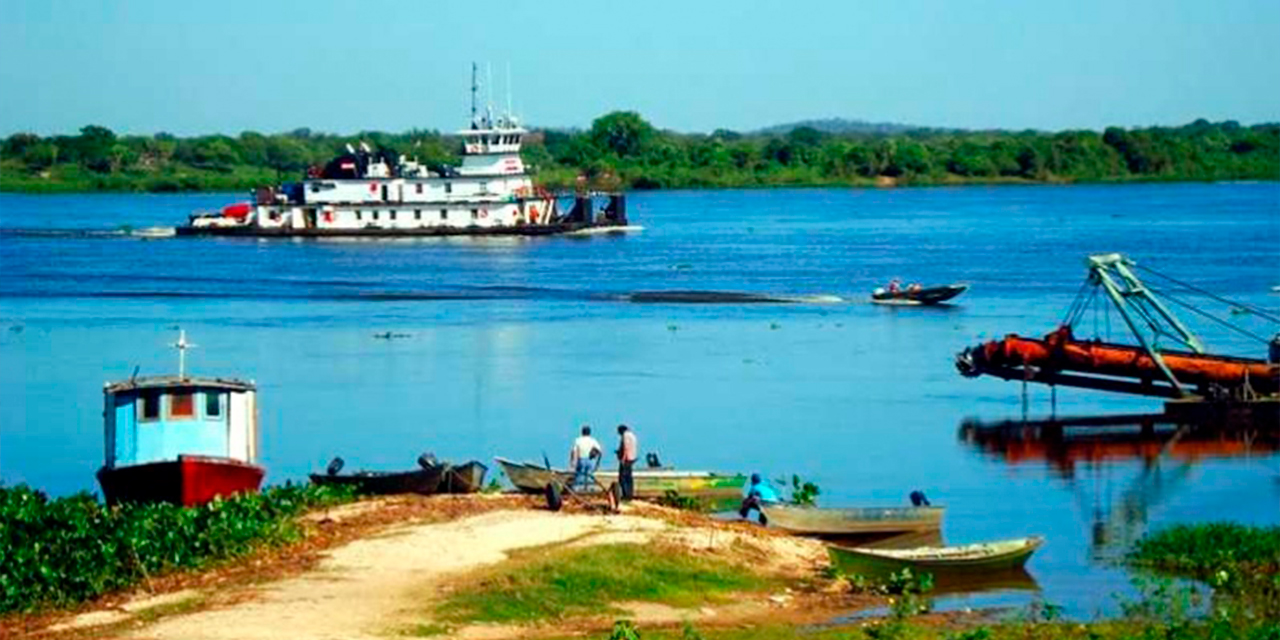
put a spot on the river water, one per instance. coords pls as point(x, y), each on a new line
point(509, 344)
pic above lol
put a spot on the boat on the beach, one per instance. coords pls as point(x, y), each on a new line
point(424, 480)
point(464, 478)
point(957, 560)
point(852, 522)
point(918, 296)
point(377, 193)
point(649, 482)
point(179, 439)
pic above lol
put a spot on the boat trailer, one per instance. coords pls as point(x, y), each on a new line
point(1185, 373)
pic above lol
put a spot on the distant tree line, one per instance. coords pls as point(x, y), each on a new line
point(623, 150)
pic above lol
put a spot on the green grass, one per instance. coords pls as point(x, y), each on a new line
point(561, 582)
point(1202, 550)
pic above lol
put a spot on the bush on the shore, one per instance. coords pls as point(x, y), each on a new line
point(64, 551)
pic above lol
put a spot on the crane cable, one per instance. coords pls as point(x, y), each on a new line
point(1247, 307)
point(1197, 310)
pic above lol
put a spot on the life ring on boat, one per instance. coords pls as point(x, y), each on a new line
point(533, 213)
point(484, 213)
point(328, 216)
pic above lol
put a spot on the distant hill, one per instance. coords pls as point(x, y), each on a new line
point(842, 126)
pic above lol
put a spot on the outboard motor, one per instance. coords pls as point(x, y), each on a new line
point(918, 499)
point(427, 460)
point(335, 466)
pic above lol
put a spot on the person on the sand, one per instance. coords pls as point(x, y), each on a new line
point(628, 453)
point(759, 494)
point(583, 455)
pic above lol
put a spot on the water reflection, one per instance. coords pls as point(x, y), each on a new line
point(1086, 453)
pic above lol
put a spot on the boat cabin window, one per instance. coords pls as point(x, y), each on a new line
point(150, 402)
point(212, 405)
point(475, 213)
point(182, 404)
point(375, 214)
point(419, 187)
point(515, 139)
point(417, 214)
point(484, 187)
point(444, 214)
point(393, 215)
point(448, 187)
point(359, 215)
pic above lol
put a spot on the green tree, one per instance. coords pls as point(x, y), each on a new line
point(624, 133)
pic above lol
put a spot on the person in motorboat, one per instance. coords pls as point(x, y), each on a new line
point(895, 286)
point(914, 287)
point(759, 494)
point(583, 456)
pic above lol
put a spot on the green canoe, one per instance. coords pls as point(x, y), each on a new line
point(650, 483)
point(846, 523)
point(960, 560)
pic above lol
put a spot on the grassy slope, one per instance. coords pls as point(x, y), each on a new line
point(549, 584)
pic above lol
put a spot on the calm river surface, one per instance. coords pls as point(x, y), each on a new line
point(512, 343)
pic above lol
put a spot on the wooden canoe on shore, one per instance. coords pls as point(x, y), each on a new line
point(423, 481)
point(464, 478)
point(959, 560)
point(845, 523)
point(650, 483)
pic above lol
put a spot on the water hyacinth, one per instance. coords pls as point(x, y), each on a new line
point(57, 552)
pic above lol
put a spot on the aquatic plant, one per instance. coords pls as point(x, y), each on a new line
point(58, 552)
point(672, 498)
point(803, 492)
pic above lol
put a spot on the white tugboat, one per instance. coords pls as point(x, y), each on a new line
point(363, 193)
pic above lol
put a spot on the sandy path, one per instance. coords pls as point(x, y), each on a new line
point(373, 587)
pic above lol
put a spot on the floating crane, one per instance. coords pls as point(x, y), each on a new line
point(1184, 372)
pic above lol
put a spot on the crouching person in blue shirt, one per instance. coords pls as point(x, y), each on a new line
point(759, 494)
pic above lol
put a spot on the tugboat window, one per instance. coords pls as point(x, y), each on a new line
point(212, 405)
point(150, 406)
point(448, 187)
point(393, 215)
point(182, 405)
point(375, 215)
point(475, 213)
point(419, 186)
point(417, 214)
point(359, 215)
point(444, 214)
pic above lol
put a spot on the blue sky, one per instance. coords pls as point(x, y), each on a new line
point(272, 65)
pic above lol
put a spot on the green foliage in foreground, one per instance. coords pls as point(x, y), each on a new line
point(64, 551)
point(1201, 551)
point(1240, 563)
point(561, 582)
point(621, 149)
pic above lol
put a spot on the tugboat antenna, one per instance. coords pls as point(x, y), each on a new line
point(182, 345)
point(475, 88)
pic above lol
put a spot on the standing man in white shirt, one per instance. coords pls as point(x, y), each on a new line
point(582, 456)
point(628, 452)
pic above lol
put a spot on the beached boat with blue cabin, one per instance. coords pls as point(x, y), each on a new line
point(179, 439)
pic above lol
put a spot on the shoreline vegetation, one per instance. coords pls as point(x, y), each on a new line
point(621, 150)
point(520, 571)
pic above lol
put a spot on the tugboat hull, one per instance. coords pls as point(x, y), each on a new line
point(187, 481)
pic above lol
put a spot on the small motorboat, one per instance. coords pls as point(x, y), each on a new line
point(424, 480)
point(464, 478)
point(918, 296)
point(953, 561)
point(853, 523)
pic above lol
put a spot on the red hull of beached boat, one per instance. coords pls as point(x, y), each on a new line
point(187, 481)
